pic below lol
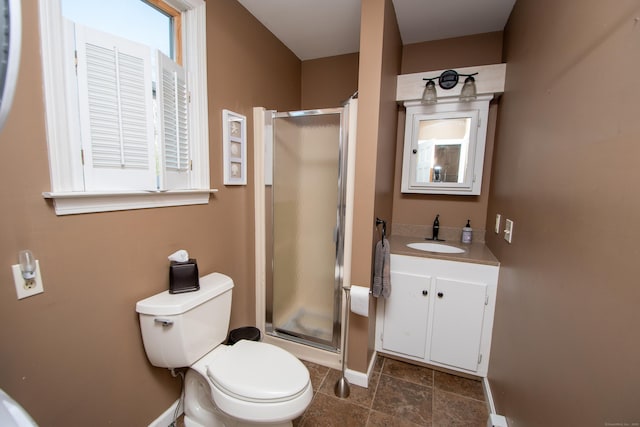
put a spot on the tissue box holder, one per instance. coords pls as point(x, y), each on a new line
point(183, 277)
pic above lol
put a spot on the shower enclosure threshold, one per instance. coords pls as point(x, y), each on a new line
point(302, 339)
point(304, 350)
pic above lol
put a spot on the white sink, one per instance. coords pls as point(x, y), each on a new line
point(435, 247)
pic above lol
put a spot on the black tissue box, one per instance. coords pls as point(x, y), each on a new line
point(183, 277)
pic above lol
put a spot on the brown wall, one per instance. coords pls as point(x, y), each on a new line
point(380, 54)
point(565, 343)
point(73, 355)
point(467, 51)
point(421, 209)
point(387, 130)
point(328, 82)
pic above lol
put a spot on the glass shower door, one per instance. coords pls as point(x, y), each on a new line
point(303, 302)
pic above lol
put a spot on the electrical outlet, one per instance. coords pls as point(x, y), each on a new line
point(25, 289)
point(496, 420)
point(508, 230)
point(498, 223)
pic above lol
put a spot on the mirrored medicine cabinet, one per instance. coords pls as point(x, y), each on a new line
point(444, 146)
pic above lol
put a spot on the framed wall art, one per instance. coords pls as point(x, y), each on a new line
point(234, 143)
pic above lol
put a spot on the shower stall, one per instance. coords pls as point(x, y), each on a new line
point(305, 199)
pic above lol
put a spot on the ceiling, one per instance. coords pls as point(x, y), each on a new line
point(320, 28)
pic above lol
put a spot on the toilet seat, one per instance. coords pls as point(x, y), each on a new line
point(256, 381)
point(258, 372)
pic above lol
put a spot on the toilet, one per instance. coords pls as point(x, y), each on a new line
point(246, 384)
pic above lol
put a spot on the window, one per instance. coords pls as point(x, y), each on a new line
point(126, 113)
point(149, 22)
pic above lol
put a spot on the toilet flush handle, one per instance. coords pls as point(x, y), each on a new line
point(163, 322)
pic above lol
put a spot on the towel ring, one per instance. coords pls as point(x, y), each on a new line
point(384, 228)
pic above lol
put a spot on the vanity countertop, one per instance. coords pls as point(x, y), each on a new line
point(477, 253)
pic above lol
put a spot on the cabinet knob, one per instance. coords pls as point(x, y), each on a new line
point(440, 294)
point(425, 292)
point(415, 151)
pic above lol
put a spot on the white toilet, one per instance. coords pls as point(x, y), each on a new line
point(245, 384)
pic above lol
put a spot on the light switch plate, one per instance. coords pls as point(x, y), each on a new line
point(498, 223)
point(21, 290)
point(508, 230)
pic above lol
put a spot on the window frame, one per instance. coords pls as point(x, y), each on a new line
point(177, 25)
point(65, 164)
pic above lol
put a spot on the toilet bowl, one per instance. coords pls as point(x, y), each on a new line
point(250, 382)
point(245, 384)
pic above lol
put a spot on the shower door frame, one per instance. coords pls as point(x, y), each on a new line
point(334, 344)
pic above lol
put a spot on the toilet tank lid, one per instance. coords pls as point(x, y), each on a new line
point(166, 304)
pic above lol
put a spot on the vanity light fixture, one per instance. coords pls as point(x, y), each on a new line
point(429, 96)
point(448, 80)
point(468, 92)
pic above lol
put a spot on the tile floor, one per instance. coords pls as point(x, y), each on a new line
point(399, 394)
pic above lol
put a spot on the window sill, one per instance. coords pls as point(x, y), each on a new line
point(88, 202)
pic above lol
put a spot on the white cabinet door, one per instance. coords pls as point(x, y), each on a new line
point(406, 313)
point(458, 315)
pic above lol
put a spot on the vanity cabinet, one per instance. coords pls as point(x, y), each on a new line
point(406, 315)
point(439, 312)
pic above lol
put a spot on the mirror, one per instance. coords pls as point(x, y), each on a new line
point(444, 148)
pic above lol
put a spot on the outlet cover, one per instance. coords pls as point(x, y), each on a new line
point(21, 290)
point(496, 420)
point(508, 230)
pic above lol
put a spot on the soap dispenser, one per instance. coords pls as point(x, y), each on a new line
point(467, 232)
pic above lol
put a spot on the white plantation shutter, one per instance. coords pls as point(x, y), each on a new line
point(173, 105)
point(116, 112)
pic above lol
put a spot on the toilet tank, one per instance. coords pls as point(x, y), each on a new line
point(178, 329)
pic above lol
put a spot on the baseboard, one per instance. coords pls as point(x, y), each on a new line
point(361, 378)
point(488, 395)
point(494, 419)
point(166, 418)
